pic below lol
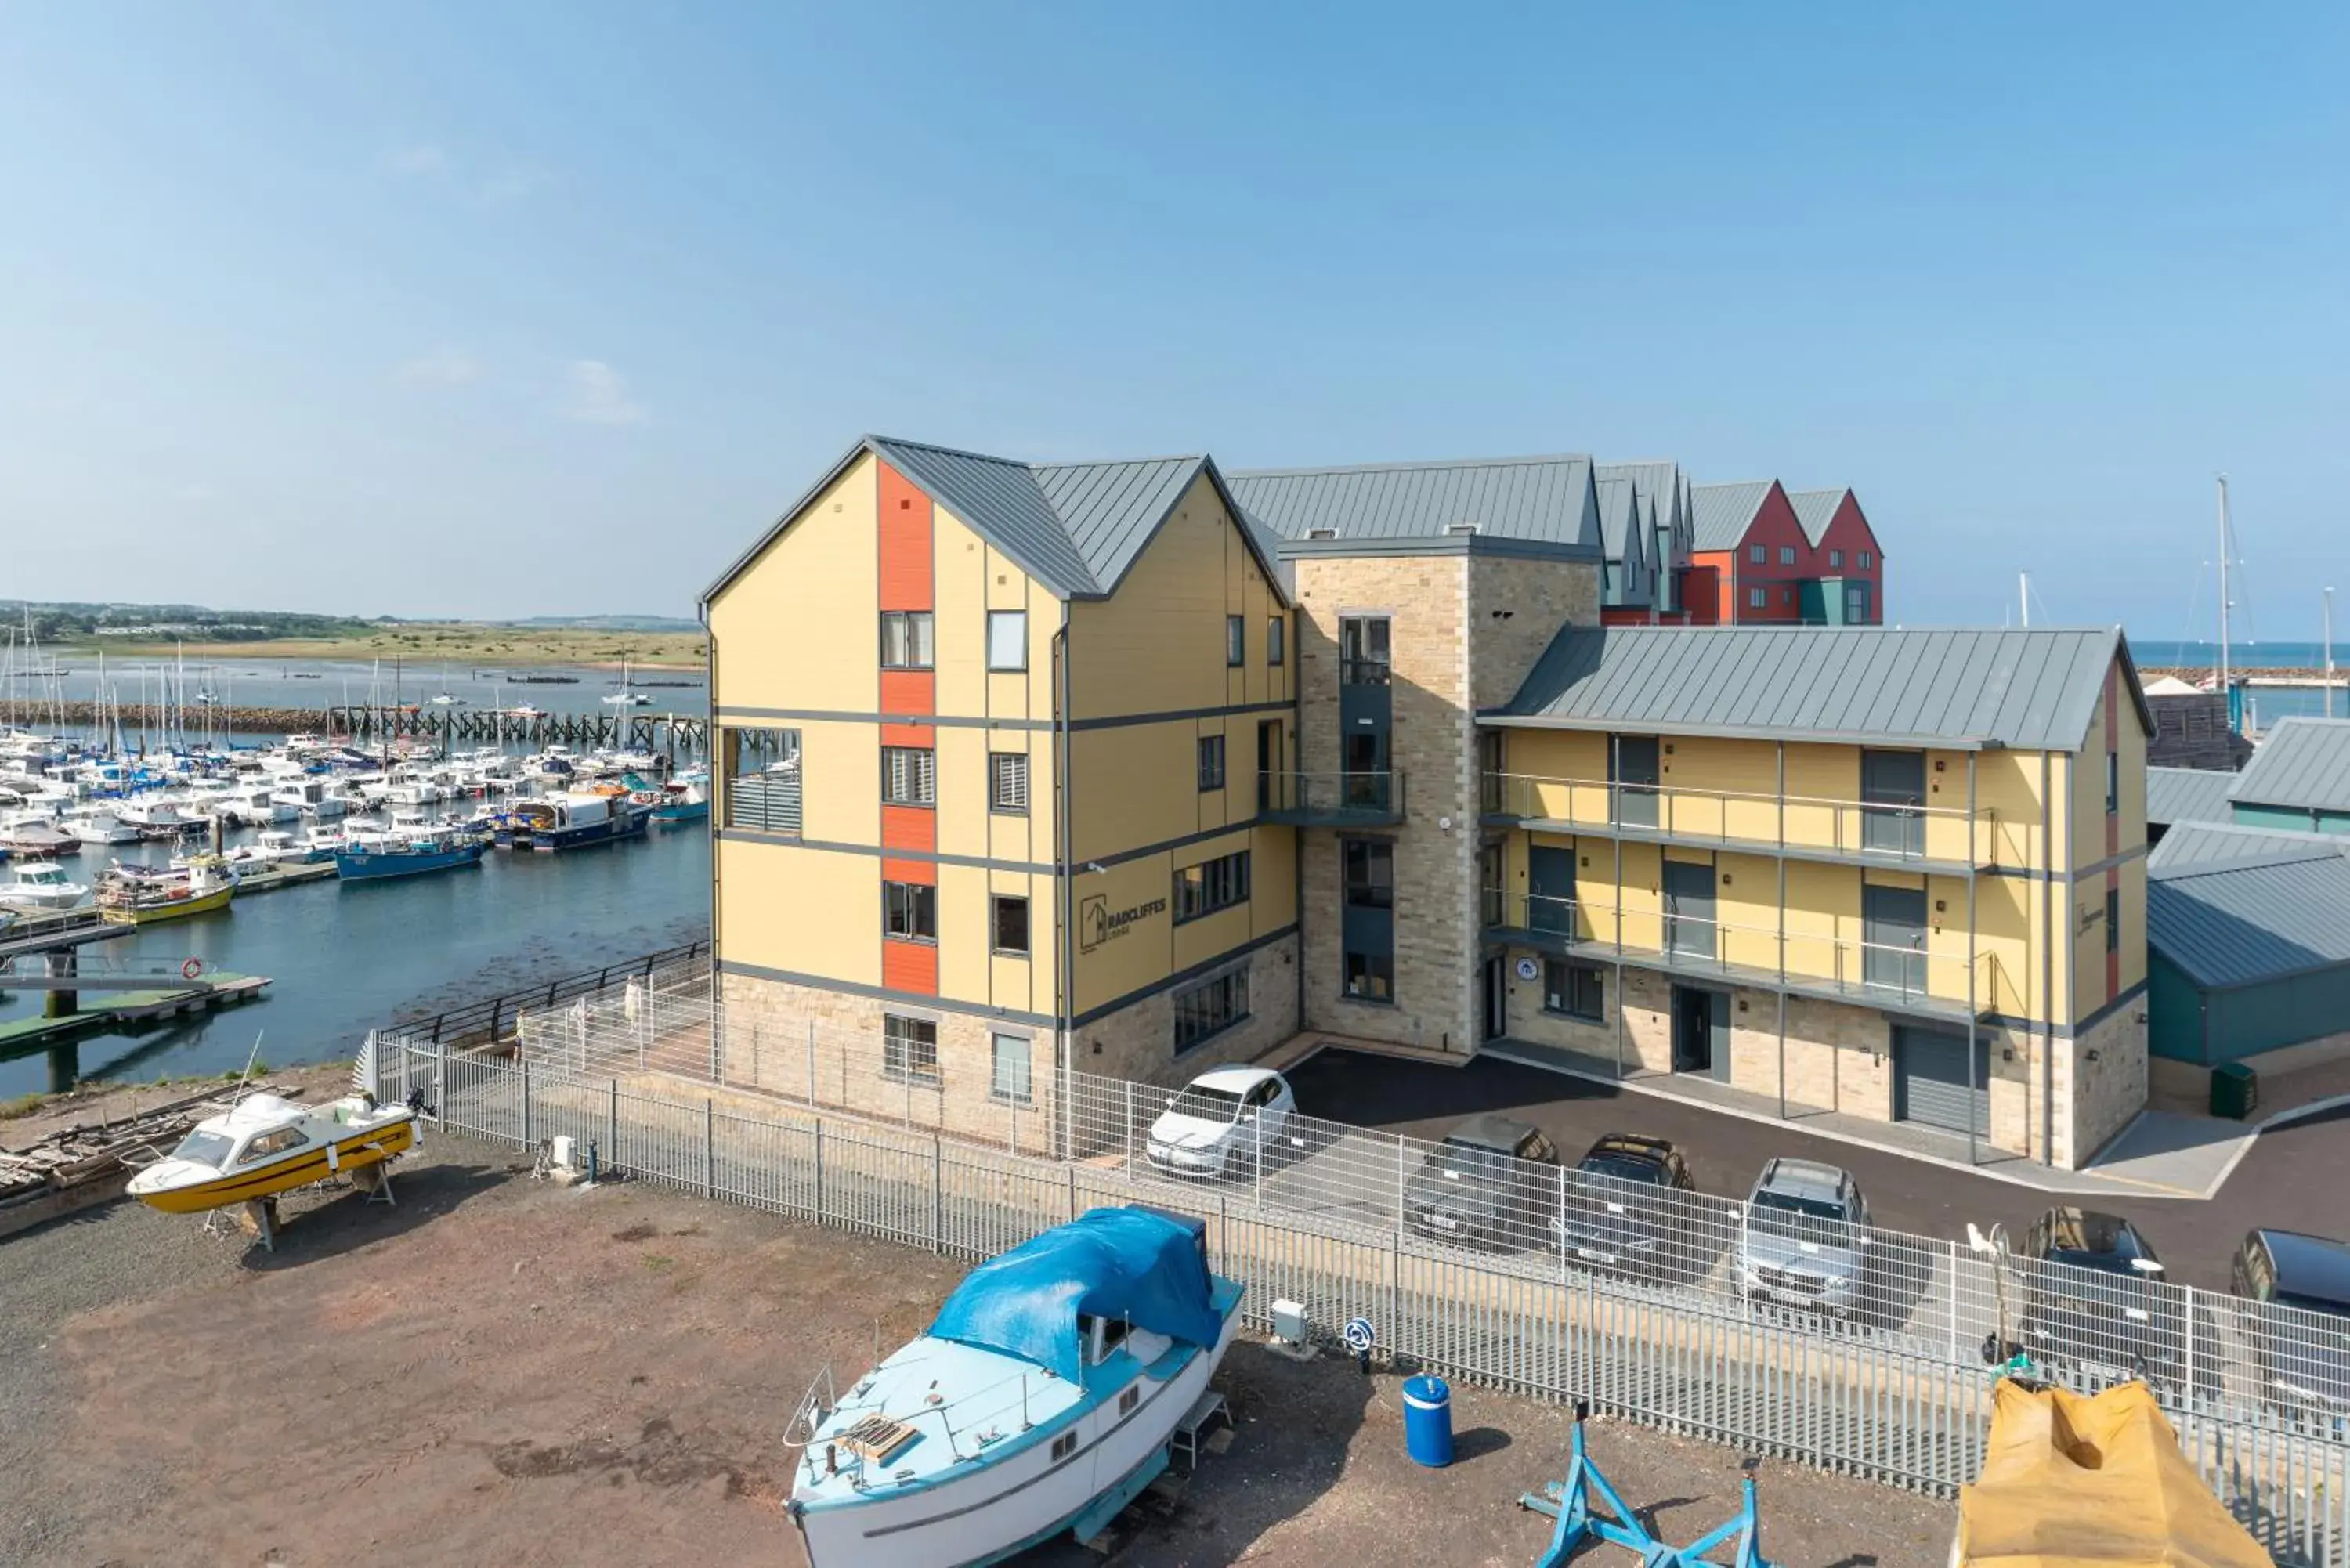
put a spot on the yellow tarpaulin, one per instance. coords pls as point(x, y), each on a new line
point(2075, 1482)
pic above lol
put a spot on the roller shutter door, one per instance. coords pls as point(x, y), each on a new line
point(1931, 1081)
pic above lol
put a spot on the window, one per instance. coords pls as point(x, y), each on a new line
point(2114, 921)
point(910, 912)
point(1011, 924)
point(1863, 560)
point(1757, 598)
point(1064, 1446)
point(1276, 637)
point(1370, 977)
point(1363, 651)
point(266, 1144)
point(2113, 783)
point(909, 777)
point(762, 786)
point(1211, 762)
point(1371, 874)
point(905, 640)
point(1008, 1079)
point(1211, 884)
point(1236, 640)
point(1210, 1007)
point(1129, 1399)
point(1835, 559)
point(1756, 554)
point(910, 1049)
point(1856, 604)
point(1786, 555)
point(1007, 640)
point(1576, 990)
point(1007, 782)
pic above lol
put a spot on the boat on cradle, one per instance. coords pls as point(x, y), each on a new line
point(571, 822)
point(373, 856)
point(1042, 1400)
point(141, 896)
point(264, 1145)
point(42, 885)
point(31, 837)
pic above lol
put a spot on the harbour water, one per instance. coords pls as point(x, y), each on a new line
point(345, 958)
point(135, 678)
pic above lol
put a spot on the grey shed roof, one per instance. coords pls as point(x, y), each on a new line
point(1664, 491)
point(2192, 846)
point(2303, 764)
point(1620, 510)
point(1815, 509)
point(2187, 795)
point(1536, 500)
point(2238, 922)
point(1075, 527)
point(1721, 514)
point(2033, 688)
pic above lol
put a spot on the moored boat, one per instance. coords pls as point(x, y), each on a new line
point(367, 857)
point(263, 1145)
point(138, 895)
point(42, 885)
point(571, 821)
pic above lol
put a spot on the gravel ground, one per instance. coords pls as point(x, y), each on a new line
point(502, 1371)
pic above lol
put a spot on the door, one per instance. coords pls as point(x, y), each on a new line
point(1268, 763)
point(1701, 1031)
point(1893, 931)
point(1893, 793)
point(1690, 929)
point(1932, 1083)
point(1549, 889)
point(1632, 762)
point(1365, 781)
point(1497, 996)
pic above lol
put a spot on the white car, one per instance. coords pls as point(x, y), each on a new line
point(1222, 1121)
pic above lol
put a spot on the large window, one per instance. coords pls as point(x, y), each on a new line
point(1371, 874)
point(1576, 990)
point(1011, 924)
point(1756, 554)
point(1007, 782)
point(1857, 610)
point(1236, 640)
point(1363, 642)
point(906, 640)
point(2113, 783)
point(1210, 1007)
point(910, 1049)
point(1211, 884)
point(1008, 1069)
point(1370, 977)
point(1786, 555)
point(1276, 637)
point(1007, 640)
point(762, 786)
point(1758, 599)
point(1211, 762)
point(2114, 921)
point(909, 777)
point(910, 912)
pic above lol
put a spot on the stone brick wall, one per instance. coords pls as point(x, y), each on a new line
point(1516, 605)
point(1138, 1042)
point(2095, 1100)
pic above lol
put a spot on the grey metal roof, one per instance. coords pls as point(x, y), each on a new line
point(1620, 507)
point(1815, 509)
point(2189, 847)
point(2304, 763)
point(1539, 499)
point(2036, 689)
point(2187, 795)
point(1075, 527)
point(2236, 923)
point(1721, 514)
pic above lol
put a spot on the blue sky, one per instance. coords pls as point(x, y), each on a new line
point(518, 309)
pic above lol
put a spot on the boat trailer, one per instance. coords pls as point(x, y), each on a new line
point(1569, 1502)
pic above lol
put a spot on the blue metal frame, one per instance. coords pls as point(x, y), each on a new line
point(1569, 1502)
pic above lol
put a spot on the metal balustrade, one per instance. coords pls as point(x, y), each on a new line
point(1331, 799)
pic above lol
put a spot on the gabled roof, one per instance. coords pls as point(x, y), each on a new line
point(1721, 513)
point(2234, 922)
point(1075, 527)
point(1620, 510)
point(2191, 847)
point(2033, 688)
point(2187, 795)
point(1530, 500)
point(2304, 763)
point(1815, 509)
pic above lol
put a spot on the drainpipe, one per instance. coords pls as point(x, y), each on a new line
point(717, 770)
point(1974, 1019)
point(2047, 964)
point(1064, 988)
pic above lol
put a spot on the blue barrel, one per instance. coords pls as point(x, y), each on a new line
point(1428, 1421)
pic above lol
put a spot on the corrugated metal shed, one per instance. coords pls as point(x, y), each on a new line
point(2187, 795)
point(1538, 500)
point(1815, 509)
point(2036, 689)
point(1719, 514)
point(2192, 846)
point(2304, 763)
point(2231, 925)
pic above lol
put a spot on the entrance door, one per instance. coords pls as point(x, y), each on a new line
point(1689, 928)
point(1268, 763)
point(1893, 930)
point(1497, 996)
point(1701, 1031)
point(1932, 1083)
point(1633, 764)
point(1550, 888)
point(1893, 790)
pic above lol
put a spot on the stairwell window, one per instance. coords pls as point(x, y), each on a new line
point(906, 640)
point(1235, 641)
point(1007, 640)
point(1007, 783)
point(1276, 637)
point(1211, 762)
point(910, 775)
point(2113, 783)
point(1363, 643)
point(2114, 921)
point(910, 1049)
point(910, 912)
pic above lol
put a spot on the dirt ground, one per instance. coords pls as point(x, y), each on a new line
point(500, 1371)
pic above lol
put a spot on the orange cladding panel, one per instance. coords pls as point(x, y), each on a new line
point(905, 544)
point(910, 827)
point(910, 966)
point(909, 692)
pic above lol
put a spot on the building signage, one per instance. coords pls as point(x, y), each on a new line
point(1098, 924)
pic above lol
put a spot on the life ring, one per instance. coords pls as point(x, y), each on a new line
point(192, 968)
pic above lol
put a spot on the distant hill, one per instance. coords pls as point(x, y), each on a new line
point(102, 622)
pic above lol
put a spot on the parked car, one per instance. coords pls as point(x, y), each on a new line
point(1804, 1239)
point(2096, 1303)
point(1485, 1183)
point(1225, 1121)
point(2297, 1291)
point(1626, 1209)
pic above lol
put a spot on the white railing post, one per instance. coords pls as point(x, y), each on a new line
point(811, 1062)
point(2189, 1330)
point(1126, 1140)
point(709, 1147)
point(1953, 1293)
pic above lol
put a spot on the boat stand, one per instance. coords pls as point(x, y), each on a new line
point(256, 1217)
point(1569, 1502)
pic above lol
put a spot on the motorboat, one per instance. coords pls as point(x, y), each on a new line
point(101, 826)
point(277, 847)
point(682, 800)
point(312, 797)
point(141, 896)
point(31, 837)
point(407, 852)
point(572, 821)
point(42, 885)
point(1042, 1400)
point(156, 816)
point(264, 1145)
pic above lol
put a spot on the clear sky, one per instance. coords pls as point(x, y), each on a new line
point(492, 308)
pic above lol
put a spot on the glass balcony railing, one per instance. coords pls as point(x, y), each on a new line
point(1331, 800)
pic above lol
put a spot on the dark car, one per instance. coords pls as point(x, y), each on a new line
point(1487, 1182)
point(1627, 1208)
point(2297, 1291)
point(2096, 1303)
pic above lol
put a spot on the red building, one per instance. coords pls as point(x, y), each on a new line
point(1846, 557)
point(1760, 557)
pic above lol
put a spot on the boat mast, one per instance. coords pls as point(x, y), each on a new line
point(2328, 602)
point(2024, 595)
point(2223, 593)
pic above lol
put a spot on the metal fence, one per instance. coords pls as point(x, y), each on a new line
point(1669, 1335)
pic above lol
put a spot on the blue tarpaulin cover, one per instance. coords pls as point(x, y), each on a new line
point(1130, 1263)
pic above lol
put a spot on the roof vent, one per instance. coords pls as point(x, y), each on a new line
point(1321, 532)
point(1461, 527)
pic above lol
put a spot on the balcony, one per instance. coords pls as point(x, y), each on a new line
point(1910, 978)
point(1938, 838)
point(1331, 800)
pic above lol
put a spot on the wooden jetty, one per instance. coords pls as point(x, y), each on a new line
point(123, 1008)
point(669, 735)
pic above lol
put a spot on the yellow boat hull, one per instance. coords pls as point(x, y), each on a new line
point(152, 914)
point(299, 1169)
